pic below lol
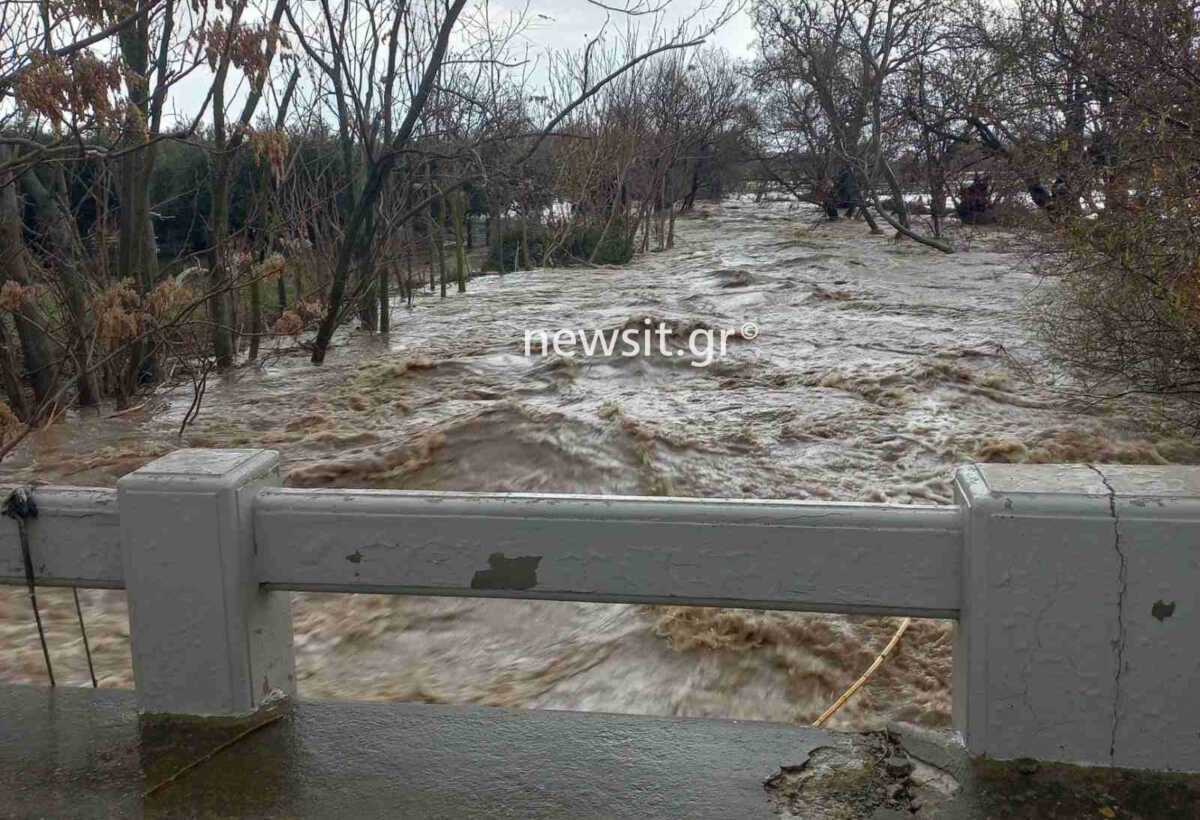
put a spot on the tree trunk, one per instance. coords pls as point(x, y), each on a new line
point(136, 228)
point(429, 229)
point(14, 388)
point(524, 241)
point(496, 240)
point(30, 321)
point(384, 304)
point(223, 306)
point(910, 233)
point(660, 216)
point(670, 206)
point(644, 218)
point(870, 220)
point(58, 235)
point(441, 244)
point(367, 304)
point(460, 254)
point(378, 173)
point(218, 271)
point(897, 193)
point(256, 316)
point(410, 240)
point(689, 201)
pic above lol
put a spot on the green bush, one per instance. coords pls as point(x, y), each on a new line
point(614, 249)
point(510, 242)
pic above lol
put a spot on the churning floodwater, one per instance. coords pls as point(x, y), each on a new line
point(877, 367)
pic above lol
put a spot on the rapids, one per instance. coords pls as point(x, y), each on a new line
point(877, 367)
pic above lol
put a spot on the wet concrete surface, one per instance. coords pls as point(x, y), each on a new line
point(83, 753)
point(79, 753)
point(947, 783)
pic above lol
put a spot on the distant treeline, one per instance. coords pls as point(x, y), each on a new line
point(344, 150)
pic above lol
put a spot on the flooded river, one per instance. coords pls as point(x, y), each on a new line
point(877, 367)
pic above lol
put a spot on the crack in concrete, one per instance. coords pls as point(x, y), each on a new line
point(856, 779)
point(1122, 588)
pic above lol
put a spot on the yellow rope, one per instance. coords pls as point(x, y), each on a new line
point(854, 687)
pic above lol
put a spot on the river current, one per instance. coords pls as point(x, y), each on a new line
point(875, 368)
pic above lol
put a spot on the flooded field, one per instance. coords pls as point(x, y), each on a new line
point(877, 366)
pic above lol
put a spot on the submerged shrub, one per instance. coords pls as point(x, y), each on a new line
point(613, 247)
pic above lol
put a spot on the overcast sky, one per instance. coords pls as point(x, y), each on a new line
point(551, 25)
point(573, 21)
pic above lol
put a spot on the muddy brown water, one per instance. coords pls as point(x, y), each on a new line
point(878, 366)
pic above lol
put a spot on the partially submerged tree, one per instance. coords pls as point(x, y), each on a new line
point(1126, 316)
point(833, 66)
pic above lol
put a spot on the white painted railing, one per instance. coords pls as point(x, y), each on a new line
point(1076, 588)
point(75, 541)
point(858, 558)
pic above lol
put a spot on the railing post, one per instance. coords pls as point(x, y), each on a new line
point(206, 639)
point(1077, 639)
